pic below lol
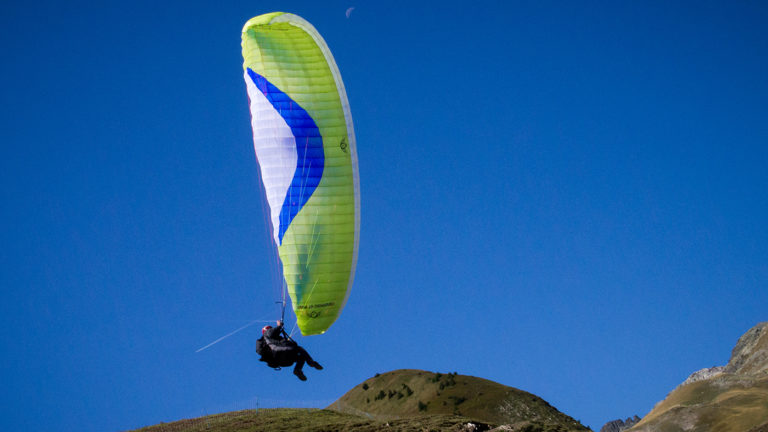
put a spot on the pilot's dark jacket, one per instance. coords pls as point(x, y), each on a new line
point(277, 350)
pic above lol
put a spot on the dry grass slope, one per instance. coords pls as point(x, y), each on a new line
point(734, 399)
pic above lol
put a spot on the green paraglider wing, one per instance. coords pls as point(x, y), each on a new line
point(305, 145)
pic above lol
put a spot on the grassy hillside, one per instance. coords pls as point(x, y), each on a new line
point(409, 393)
point(401, 401)
point(311, 420)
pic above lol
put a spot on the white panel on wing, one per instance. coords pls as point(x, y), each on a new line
point(275, 148)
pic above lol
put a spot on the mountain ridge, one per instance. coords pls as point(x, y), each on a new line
point(730, 398)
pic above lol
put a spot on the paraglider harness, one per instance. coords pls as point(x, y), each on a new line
point(279, 354)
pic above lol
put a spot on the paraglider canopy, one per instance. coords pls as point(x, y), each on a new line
point(307, 154)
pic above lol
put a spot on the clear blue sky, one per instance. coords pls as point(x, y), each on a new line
point(570, 198)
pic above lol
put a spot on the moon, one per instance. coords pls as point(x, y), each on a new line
point(349, 11)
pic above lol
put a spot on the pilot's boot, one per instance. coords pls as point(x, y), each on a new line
point(300, 374)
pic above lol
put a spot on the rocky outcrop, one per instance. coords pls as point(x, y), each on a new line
point(620, 425)
point(750, 355)
point(704, 374)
